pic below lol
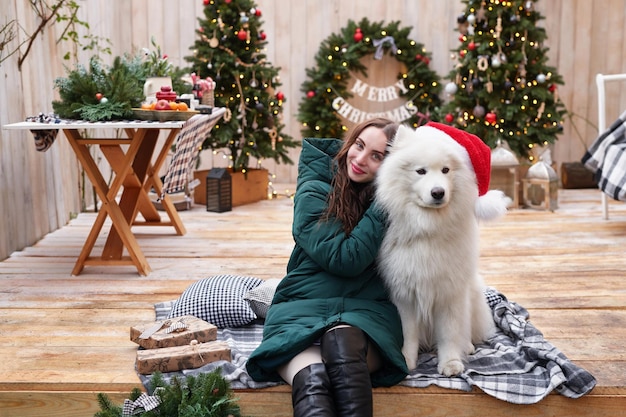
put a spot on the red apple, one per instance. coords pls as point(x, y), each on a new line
point(162, 105)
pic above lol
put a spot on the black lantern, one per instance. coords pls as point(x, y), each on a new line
point(219, 194)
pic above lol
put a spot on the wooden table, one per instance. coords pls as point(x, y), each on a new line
point(136, 173)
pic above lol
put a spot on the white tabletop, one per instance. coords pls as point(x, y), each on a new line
point(114, 124)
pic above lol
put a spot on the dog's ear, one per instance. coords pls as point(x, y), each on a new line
point(403, 134)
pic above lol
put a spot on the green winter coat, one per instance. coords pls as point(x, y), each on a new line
point(331, 279)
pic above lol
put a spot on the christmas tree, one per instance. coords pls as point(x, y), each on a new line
point(229, 53)
point(502, 87)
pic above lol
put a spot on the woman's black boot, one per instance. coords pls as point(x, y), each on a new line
point(344, 351)
point(311, 394)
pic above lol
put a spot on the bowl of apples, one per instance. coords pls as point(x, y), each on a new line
point(164, 110)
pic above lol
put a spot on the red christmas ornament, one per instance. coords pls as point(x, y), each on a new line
point(205, 2)
point(491, 118)
point(462, 53)
point(257, 12)
point(552, 88)
point(242, 35)
point(280, 96)
point(449, 118)
point(471, 46)
point(462, 38)
point(227, 1)
point(424, 59)
point(358, 35)
point(310, 94)
point(262, 35)
point(98, 96)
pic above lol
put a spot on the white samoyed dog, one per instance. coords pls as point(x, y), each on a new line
point(428, 187)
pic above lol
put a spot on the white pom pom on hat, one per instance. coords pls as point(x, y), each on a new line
point(490, 204)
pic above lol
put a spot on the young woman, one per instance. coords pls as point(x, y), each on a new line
point(331, 331)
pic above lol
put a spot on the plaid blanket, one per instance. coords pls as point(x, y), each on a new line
point(517, 365)
point(606, 158)
point(193, 132)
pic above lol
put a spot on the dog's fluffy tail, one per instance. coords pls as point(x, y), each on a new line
point(492, 205)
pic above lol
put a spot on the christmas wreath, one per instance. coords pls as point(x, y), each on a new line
point(340, 55)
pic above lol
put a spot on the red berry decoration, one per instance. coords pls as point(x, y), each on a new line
point(358, 35)
point(310, 94)
point(449, 118)
point(280, 96)
point(242, 35)
point(491, 118)
point(98, 96)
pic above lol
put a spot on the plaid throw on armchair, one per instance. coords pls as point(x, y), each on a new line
point(606, 158)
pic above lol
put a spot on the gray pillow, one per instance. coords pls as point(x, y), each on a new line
point(260, 298)
point(218, 300)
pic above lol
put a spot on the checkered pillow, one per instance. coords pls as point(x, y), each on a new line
point(260, 298)
point(218, 300)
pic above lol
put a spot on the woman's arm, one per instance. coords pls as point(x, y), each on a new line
point(326, 243)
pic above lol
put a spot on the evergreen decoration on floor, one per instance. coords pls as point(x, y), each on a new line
point(501, 87)
point(341, 53)
point(229, 51)
point(204, 395)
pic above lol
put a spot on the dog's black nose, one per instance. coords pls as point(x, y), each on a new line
point(437, 193)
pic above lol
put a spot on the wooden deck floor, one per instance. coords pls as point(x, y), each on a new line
point(65, 338)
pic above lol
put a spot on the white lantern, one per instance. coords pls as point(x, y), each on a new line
point(505, 173)
point(541, 187)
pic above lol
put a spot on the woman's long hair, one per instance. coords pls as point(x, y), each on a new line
point(348, 200)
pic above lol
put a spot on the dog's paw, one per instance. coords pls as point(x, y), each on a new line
point(410, 359)
point(451, 367)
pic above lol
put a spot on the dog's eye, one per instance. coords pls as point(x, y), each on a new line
point(445, 170)
point(421, 171)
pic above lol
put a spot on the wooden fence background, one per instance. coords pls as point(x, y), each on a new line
point(39, 192)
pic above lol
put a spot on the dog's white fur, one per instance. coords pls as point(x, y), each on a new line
point(429, 256)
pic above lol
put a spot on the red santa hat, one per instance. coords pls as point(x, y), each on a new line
point(490, 204)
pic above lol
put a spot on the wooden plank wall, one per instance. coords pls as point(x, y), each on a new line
point(40, 191)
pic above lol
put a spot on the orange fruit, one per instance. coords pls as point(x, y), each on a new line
point(145, 106)
point(152, 105)
point(182, 106)
point(173, 105)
